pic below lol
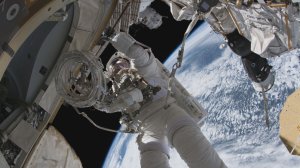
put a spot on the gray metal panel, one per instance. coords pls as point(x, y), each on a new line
point(24, 135)
point(7, 31)
point(3, 163)
point(50, 99)
point(20, 68)
point(32, 63)
point(47, 55)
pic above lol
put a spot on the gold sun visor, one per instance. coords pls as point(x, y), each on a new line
point(290, 123)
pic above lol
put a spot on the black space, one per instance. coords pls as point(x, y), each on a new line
point(91, 144)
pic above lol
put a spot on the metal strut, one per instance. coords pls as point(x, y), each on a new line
point(266, 107)
point(178, 64)
point(235, 22)
point(110, 30)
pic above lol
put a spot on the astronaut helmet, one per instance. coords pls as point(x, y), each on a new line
point(117, 62)
point(150, 18)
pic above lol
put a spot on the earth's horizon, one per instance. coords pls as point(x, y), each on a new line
point(235, 123)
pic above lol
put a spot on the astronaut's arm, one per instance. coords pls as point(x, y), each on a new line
point(122, 102)
point(143, 57)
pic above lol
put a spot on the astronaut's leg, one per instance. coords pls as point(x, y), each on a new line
point(154, 152)
point(189, 141)
point(153, 143)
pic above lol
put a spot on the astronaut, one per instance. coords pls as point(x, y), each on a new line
point(163, 122)
point(150, 18)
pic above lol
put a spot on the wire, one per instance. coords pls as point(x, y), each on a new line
point(95, 125)
point(180, 56)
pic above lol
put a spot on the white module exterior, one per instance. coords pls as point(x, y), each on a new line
point(53, 151)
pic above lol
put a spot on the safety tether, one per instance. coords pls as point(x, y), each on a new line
point(178, 64)
point(96, 125)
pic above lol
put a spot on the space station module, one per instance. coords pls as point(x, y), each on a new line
point(254, 30)
point(272, 28)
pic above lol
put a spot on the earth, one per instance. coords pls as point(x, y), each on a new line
point(235, 124)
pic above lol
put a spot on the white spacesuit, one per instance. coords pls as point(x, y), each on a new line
point(161, 125)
